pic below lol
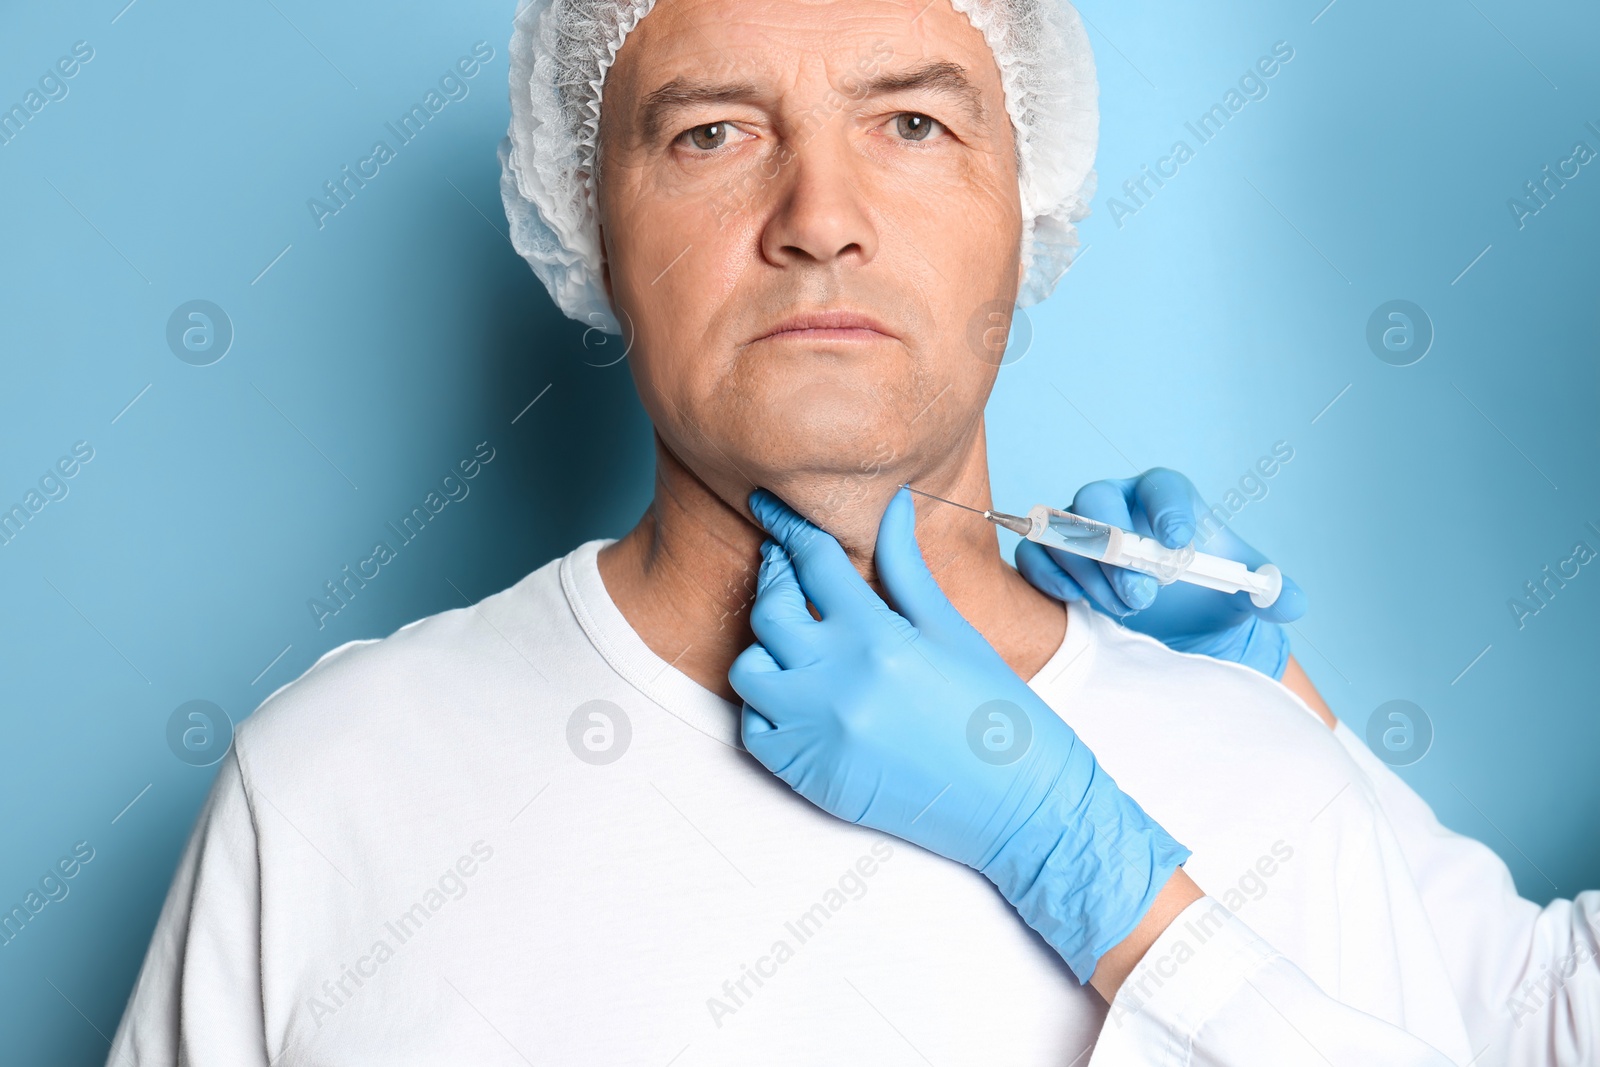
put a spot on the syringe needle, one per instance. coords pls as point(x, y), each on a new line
point(942, 500)
point(1014, 523)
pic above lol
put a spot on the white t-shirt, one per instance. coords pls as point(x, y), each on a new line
point(404, 860)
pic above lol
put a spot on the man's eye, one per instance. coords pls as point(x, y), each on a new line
point(914, 126)
point(709, 137)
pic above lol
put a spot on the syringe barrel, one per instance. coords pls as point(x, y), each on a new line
point(1123, 548)
point(1069, 532)
point(1109, 544)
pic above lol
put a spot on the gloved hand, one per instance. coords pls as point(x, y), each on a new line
point(1164, 504)
point(906, 720)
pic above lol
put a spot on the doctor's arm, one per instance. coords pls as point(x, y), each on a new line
point(1527, 977)
point(1297, 682)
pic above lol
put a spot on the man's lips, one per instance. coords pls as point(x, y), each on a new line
point(841, 325)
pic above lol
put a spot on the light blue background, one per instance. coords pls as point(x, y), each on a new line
point(1221, 318)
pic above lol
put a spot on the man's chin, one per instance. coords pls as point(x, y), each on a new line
point(838, 409)
point(822, 443)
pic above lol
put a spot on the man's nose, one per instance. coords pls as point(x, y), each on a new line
point(819, 202)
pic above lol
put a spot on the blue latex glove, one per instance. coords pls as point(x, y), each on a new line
point(906, 720)
point(1164, 504)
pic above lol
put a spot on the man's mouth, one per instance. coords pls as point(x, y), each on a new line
point(839, 324)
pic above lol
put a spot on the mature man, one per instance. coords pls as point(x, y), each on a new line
point(531, 831)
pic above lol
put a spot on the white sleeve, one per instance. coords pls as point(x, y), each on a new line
point(198, 997)
point(1211, 993)
point(1527, 978)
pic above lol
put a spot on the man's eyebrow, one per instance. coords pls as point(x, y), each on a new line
point(687, 92)
point(939, 76)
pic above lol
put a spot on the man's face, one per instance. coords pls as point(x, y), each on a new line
point(753, 169)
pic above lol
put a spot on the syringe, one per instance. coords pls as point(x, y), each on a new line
point(1124, 548)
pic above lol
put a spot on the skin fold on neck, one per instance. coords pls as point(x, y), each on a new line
point(684, 577)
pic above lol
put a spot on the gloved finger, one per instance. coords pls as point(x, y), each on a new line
point(1091, 578)
point(773, 747)
point(825, 573)
point(1167, 500)
point(1290, 605)
point(1107, 501)
point(1041, 570)
point(912, 590)
point(778, 616)
point(757, 678)
point(753, 724)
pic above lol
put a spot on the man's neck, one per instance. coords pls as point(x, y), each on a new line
point(685, 576)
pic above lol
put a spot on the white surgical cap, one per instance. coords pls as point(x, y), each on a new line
point(562, 49)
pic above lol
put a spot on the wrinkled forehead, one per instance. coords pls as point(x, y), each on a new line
point(796, 56)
